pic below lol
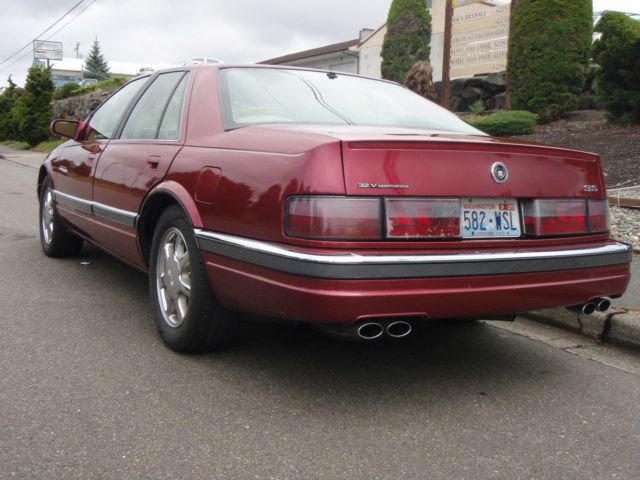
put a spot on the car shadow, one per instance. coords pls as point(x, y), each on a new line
point(438, 358)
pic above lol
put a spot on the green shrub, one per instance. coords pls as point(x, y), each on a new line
point(477, 107)
point(31, 114)
point(618, 53)
point(407, 40)
point(48, 145)
point(109, 85)
point(549, 48)
point(65, 91)
point(17, 145)
point(505, 124)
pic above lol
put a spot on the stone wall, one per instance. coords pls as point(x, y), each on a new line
point(78, 108)
point(489, 89)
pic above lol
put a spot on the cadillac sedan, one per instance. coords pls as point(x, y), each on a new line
point(323, 197)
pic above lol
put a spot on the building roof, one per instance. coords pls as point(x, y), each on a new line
point(336, 47)
point(116, 68)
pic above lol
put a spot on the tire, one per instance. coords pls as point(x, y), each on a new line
point(56, 239)
point(187, 315)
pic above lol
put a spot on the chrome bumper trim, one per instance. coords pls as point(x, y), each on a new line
point(355, 266)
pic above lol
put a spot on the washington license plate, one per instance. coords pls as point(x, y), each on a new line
point(490, 217)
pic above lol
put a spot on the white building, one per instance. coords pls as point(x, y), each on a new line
point(71, 70)
point(339, 57)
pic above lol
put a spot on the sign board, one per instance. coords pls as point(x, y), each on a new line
point(462, 3)
point(479, 40)
point(45, 50)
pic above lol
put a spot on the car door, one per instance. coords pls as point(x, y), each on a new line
point(73, 170)
point(136, 160)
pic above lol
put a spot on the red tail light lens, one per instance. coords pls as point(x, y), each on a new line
point(547, 217)
point(598, 216)
point(334, 218)
point(423, 218)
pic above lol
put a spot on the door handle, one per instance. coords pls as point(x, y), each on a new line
point(152, 162)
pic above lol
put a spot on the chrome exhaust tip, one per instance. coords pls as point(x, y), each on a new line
point(603, 304)
point(588, 308)
point(370, 330)
point(399, 329)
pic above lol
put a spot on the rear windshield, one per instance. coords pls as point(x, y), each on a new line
point(252, 96)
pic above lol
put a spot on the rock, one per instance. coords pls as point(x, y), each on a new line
point(457, 87)
point(496, 83)
point(471, 94)
point(458, 104)
point(478, 81)
point(499, 102)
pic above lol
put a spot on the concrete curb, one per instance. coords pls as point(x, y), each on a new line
point(617, 327)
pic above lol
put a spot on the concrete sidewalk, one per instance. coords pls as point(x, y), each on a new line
point(620, 325)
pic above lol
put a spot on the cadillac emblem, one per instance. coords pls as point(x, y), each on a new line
point(499, 172)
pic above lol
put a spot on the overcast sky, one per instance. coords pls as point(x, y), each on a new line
point(166, 32)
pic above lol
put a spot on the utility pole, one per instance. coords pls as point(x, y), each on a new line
point(446, 56)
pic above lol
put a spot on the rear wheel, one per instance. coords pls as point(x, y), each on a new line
point(55, 237)
point(186, 314)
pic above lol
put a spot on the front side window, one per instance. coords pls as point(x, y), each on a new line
point(253, 96)
point(144, 121)
point(105, 120)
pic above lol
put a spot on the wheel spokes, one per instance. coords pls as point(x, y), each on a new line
point(173, 277)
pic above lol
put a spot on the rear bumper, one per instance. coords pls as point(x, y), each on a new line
point(296, 284)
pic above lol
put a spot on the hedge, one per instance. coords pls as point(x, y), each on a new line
point(618, 53)
point(505, 124)
point(549, 47)
point(408, 38)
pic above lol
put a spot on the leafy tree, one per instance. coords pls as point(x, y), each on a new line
point(65, 91)
point(31, 114)
point(7, 101)
point(95, 66)
point(549, 48)
point(618, 53)
point(408, 38)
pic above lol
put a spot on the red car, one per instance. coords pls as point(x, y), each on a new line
point(322, 197)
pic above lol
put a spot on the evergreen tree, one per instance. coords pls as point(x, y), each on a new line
point(7, 101)
point(95, 66)
point(549, 48)
point(408, 38)
point(31, 114)
point(618, 53)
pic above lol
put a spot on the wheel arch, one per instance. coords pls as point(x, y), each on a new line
point(158, 200)
point(42, 174)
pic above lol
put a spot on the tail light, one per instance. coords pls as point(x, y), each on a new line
point(423, 218)
point(356, 218)
point(549, 217)
point(598, 215)
point(334, 218)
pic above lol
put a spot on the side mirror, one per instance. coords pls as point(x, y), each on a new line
point(65, 128)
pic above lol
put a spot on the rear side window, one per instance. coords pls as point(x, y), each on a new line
point(105, 120)
point(145, 120)
point(172, 120)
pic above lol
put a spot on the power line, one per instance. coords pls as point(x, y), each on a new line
point(41, 34)
point(52, 35)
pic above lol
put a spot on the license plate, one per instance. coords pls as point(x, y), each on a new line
point(490, 217)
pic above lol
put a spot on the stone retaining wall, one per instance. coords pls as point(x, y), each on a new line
point(78, 108)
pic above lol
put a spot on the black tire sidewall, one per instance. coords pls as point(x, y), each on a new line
point(191, 334)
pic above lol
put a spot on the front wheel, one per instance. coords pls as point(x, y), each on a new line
point(186, 314)
point(55, 237)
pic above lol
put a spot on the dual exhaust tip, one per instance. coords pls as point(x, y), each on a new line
point(395, 329)
point(598, 304)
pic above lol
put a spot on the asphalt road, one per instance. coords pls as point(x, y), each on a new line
point(87, 390)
